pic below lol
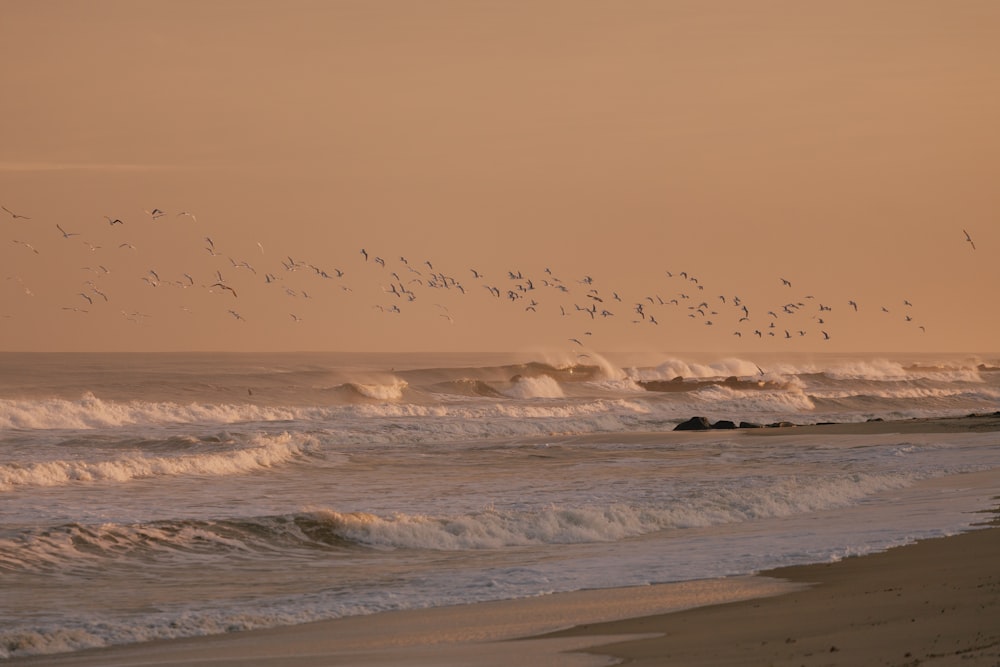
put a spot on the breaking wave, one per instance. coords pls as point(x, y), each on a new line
point(261, 452)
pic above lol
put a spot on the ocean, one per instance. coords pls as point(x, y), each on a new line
point(150, 496)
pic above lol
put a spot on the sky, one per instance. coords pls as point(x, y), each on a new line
point(384, 175)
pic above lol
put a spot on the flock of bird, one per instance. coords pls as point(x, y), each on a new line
point(395, 286)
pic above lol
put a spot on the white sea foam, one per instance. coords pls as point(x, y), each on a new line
point(392, 391)
point(90, 412)
point(493, 529)
point(755, 401)
point(670, 369)
point(541, 386)
point(262, 452)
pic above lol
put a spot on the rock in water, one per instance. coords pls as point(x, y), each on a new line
point(694, 424)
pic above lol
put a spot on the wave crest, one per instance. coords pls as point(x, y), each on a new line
point(540, 386)
point(263, 451)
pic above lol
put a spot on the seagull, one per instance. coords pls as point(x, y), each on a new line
point(113, 221)
point(189, 214)
point(226, 287)
point(26, 245)
point(13, 215)
point(967, 238)
point(786, 283)
point(237, 315)
point(65, 234)
point(155, 213)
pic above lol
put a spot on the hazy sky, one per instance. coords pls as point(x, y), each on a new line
point(593, 150)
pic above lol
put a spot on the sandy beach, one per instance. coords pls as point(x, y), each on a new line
point(933, 602)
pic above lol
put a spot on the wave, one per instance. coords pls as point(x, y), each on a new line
point(756, 401)
point(90, 412)
point(466, 387)
point(541, 386)
point(884, 370)
point(261, 452)
point(391, 391)
point(73, 547)
point(678, 368)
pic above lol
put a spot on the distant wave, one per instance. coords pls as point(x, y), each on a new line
point(467, 387)
point(886, 371)
point(91, 412)
point(261, 452)
point(540, 386)
point(392, 391)
point(679, 368)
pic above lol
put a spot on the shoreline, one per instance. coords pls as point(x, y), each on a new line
point(934, 600)
point(973, 423)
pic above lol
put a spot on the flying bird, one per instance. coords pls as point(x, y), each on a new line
point(225, 287)
point(26, 245)
point(969, 239)
point(13, 215)
point(65, 234)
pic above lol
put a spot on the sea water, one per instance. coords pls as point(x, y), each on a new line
point(147, 496)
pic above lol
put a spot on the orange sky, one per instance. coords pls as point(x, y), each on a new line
point(843, 146)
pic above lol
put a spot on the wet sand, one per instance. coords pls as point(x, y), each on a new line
point(936, 602)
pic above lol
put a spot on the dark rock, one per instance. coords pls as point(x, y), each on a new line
point(876, 419)
point(694, 424)
point(780, 425)
point(750, 425)
point(724, 424)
